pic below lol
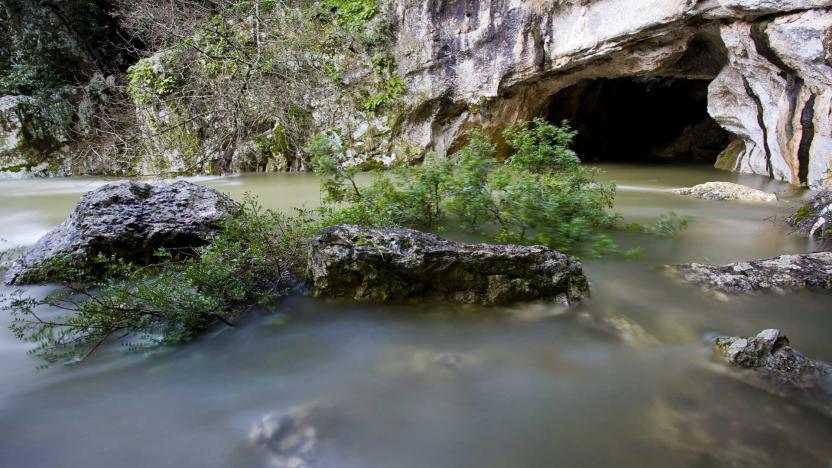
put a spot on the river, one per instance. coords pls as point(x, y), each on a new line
point(443, 386)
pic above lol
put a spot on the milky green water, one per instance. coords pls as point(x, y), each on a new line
point(443, 386)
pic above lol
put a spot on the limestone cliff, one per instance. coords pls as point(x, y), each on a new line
point(492, 62)
point(745, 83)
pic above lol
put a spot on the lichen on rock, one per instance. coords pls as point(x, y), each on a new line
point(399, 264)
point(814, 218)
point(779, 274)
point(770, 363)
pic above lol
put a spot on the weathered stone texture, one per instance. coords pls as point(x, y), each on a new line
point(771, 364)
point(130, 220)
point(779, 274)
point(397, 264)
point(493, 62)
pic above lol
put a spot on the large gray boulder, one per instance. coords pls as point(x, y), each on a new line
point(778, 274)
point(131, 220)
point(395, 264)
point(772, 365)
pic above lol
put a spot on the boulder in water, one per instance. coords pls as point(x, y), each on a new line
point(779, 274)
point(773, 365)
point(723, 191)
point(396, 264)
point(815, 219)
point(130, 220)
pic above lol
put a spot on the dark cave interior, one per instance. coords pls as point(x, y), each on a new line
point(659, 119)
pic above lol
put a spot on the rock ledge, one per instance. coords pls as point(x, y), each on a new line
point(396, 264)
point(726, 191)
point(779, 274)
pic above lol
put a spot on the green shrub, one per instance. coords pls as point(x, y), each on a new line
point(389, 91)
point(144, 83)
point(353, 14)
point(255, 257)
point(540, 195)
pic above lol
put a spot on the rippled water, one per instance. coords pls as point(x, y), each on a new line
point(442, 386)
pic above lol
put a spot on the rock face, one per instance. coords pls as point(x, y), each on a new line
point(778, 368)
point(396, 264)
point(815, 219)
point(492, 62)
point(779, 274)
point(766, 67)
point(131, 220)
point(721, 191)
point(24, 140)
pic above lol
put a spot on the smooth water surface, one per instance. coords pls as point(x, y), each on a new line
point(443, 385)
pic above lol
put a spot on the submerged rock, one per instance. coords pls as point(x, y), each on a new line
point(815, 219)
point(287, 437)
point(723, 191)
point(622, 327)
point(426, 363)
point(706, 424)
point(778, 368)
point(395, 264)
point(130, 220)
point(779, 274)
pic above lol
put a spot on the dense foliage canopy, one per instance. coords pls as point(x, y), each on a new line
point(540, 194)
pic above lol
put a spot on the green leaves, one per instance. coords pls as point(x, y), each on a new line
point(541, 195)
point(353, 14)
point(254, 258)
point(540, 147)
point(144, 83)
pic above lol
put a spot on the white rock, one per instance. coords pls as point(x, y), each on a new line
point(721, 191)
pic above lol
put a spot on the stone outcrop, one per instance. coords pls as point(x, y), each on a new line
point(776, 367)
point(24, 140)
point(398, 264)
point(814, 219)
point(492, 62)
point(779, 274)
point(130, 220)
point(723, 191)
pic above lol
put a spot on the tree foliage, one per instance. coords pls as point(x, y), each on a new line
point(255, 257)
point(214, 83)
point(541, 194)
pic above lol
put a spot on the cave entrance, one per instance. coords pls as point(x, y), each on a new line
point(640, 120)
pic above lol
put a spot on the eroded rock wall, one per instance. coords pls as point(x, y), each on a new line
point(492, 62)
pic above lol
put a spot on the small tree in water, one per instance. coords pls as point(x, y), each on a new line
point(541, 194)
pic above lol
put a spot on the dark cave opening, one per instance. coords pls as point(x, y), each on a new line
point(640, 120)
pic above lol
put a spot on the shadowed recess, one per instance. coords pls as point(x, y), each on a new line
point(640, 119)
